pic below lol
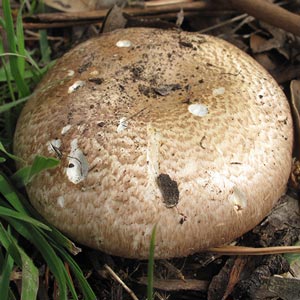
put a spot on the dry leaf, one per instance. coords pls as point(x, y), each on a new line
point(259, 44)
point(180, 18)
point(114, 20)
point(235, 275)
point(279, 40)
point(265, 60)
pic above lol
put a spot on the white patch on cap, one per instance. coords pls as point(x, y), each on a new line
point(123, 124)
point(75, 86)
point(154, 139)
point(123, 44)
point(78, 167)
point(94, 73)
point(71, 73)
point(282, 118)
point(65, 129)
point(154, 142)
point(61, 201)
point(54, 145)
point(199, 109)
point(238, 199)
point(218, 91)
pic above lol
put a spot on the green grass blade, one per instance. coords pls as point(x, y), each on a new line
point(5, 277)
point(58, 238)
point(84, 285)
point(151, 265)
point(11, 295)
point(21, 177)
point(6, 77)
point(42, 163)
point(8, 91)
point(24, 57)
point(20, 82)
point(10, 105)
point(30, 274)
point(39, 239)
point(8, 244)
point(70, 284)
point(7, 212)
point(30, 277)
point(44, 46)
point(20, 40)
point(21, 205)
point(10, 194)
point(53, 261)
point(55, 236)
point(2, 22)
point(13, 157)
point(24, 175)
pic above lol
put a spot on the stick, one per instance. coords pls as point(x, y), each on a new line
point(133, 11)
point(268, 12)
point(240, 250)
point(118, 279)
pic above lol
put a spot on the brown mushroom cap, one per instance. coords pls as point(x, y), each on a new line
point(177, 129)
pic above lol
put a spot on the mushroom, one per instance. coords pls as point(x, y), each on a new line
point(172, 128)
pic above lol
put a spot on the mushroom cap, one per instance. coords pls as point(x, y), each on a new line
point(177, 129)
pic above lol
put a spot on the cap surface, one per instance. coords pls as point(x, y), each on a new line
point(177, 129)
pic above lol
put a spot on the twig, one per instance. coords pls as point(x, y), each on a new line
point(32, 35)
point(164, 2)
point(118, 279)
point(57, 24)
point(240, 250)
point(173, 269)
point(221, 24)
point(268, 12)
point(171, 285)
point(133, 11)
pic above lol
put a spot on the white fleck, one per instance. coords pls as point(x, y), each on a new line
point(123, 124)
point(75, 86)
point(54, 145)
point(154, 142)
point(218, 91)
point(94, 73)
point(123, 44)
point(282, 118)
point(81, 128)
point(78, 167)
point(71, 73)
point(199, 109)
point(65, 129)
point(238, 199)
point(61, 201)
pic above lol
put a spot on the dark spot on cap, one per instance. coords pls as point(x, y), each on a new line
point(186, 44)
point(96, 80)
point(169, 190)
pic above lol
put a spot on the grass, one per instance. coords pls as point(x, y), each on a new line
point(151, 266)
point(20, 224)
